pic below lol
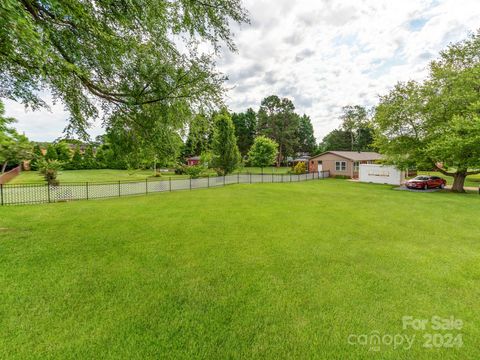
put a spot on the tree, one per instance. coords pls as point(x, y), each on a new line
point(122, 56)
point(14, 147)
point(436, 124)
point(51, 153)
point(100, 158)
point(151, 136)
point(63, 151)
point(49, 169)
point(263, 152)
point(76, 162)
point(245, 128)
point(88, 161)
point(225, 154)
point(306, 138)
point(278, 121)
point(354, 118)
point(337, 139)
point(36, 157)
point(199, 135)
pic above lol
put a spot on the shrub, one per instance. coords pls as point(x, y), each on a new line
point(49, 170)
point(194, 171)
point(300, 168)
point(263, 152)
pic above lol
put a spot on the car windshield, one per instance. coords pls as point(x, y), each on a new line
point(421, 178)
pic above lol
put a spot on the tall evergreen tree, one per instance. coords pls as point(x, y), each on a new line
point(225, 155)
point(305, 134)
point(245, 129)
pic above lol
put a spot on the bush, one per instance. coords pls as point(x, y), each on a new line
point(194, 171)
point(49, 169)
point(300, 168)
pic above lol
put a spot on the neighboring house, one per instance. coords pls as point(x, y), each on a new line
point(342, 163)
point(194, 160)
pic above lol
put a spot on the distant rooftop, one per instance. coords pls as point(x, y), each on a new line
point(356, 155)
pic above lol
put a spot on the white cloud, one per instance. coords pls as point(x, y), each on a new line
point(322, 54)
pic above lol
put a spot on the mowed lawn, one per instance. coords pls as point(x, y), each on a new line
point(265, 271)
point(106, 175)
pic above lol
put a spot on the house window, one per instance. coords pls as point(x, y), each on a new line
point(356, 166)
point(340, 165)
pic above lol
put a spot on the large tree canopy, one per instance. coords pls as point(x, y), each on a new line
point(117, 56)
point(14, 147)
point(436, 124)
point(306, 137)
point(245, 129)
point(278, 121)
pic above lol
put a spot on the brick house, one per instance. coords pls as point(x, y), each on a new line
point(342, 163)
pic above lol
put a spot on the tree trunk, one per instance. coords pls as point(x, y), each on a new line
point(4, 166)
point(279, 158)
point(459, 181)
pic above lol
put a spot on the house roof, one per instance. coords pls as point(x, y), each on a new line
point(354, 155)
point(194, 158)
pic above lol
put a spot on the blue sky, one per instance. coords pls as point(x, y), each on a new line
point(321, 54)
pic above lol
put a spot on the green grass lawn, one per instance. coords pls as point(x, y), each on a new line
point(65, 176)
point(265, 271)
point(84, 175)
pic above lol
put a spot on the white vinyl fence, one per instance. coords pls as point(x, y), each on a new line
point(38, 193)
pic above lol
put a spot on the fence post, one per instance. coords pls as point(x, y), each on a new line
point(298, 177)
point(146, 186)
point(170, 183)
point(250, 178)
point(119, 189)
point(238, 178)
point(272, 178)
point(223, 180)
point(1, 194)
point(86, 187)
point(208, 181)
point(290, 177)
point(48, 192)
point(190, 182)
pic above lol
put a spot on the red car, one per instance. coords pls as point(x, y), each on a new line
point(426, 182)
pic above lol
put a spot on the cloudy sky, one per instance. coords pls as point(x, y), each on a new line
point(322, 54)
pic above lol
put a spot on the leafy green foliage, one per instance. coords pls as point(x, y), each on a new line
point(300, 168)
point(14, 147)
point(226, 157)
point(199, 135)
point(278, 121)
point(63, 151)
point(194, 171)
point(435, 124)
point(127, 57)
point(76, 162)
point(51, 153)
point(36, 157)
point(245, 129)
point(337, 139)
point(306, 138)
point(49, 169)
point(263, 152)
